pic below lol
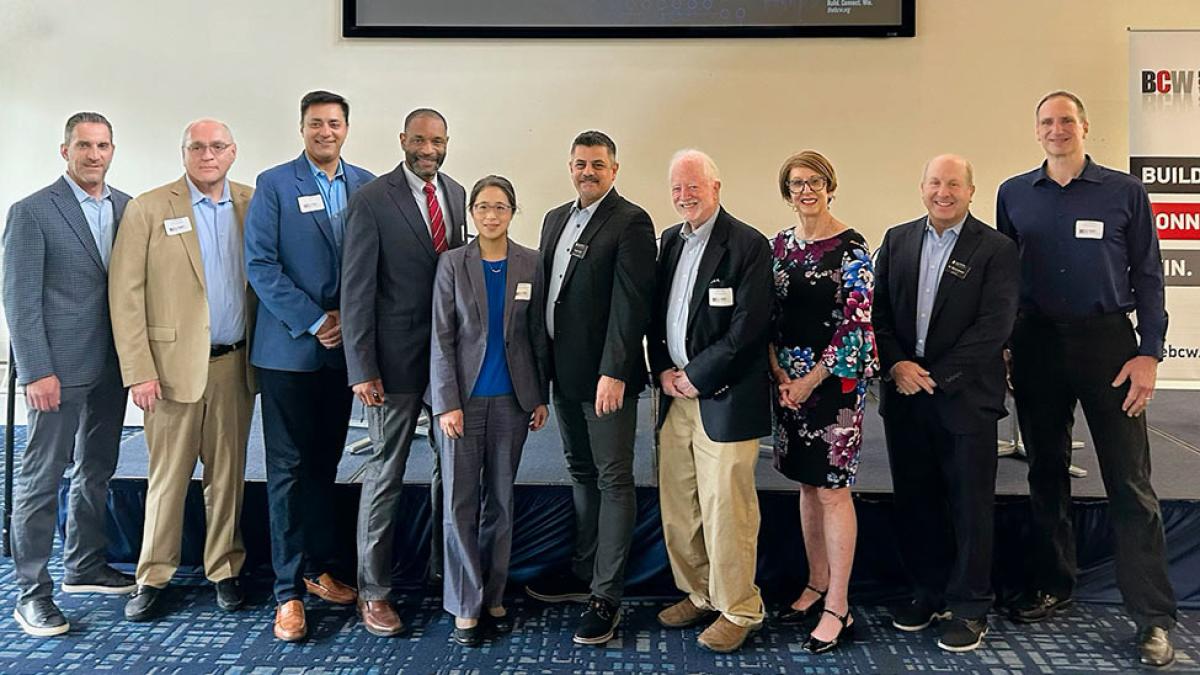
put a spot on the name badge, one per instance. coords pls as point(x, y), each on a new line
point(720, 297)
point(1089, 229)
point(579, 250)
point(175, 226)
point(958, 269)
point(524, 291)
point(310, 203)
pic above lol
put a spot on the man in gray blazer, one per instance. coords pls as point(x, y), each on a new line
point(57, 244)
point(397, 226)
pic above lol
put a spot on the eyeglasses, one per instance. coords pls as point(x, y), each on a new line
point(201, 148)
point(816, 184)
point(498, 209)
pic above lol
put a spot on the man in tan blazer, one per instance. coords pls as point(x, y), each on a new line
point(180, 309)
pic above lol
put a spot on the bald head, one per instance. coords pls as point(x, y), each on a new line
point(947, 186)
point(695, 186)
point(208, 152)
point(207, 123)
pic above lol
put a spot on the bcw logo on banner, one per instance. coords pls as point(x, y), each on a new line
point(1164, 153)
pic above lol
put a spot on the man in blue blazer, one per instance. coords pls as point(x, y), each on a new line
point(57, 245)
point(294, 236)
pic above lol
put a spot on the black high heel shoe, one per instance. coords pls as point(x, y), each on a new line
point(799, 617)
point(816, 646)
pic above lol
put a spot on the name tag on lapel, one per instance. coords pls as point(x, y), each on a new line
point(310, 203)
point(958, 269)
point(720, 297)
point(579, 250)
point(524, 291)
point(175, 226)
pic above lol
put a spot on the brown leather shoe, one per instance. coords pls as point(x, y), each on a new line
point(380, 618)
point(329, 589)
point(723, 636)
point(290, 625)
point(683, 614)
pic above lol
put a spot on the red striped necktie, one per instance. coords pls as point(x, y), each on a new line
point(437, 224)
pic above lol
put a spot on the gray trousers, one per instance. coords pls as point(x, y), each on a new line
point(85, 433)
point(599, 454)
point(391, 426)
point(479, 470)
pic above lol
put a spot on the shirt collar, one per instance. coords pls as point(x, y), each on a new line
point(317, 172)
point(703, 231)
point(590, 210)
point(1090, 173)
point(957, 229)
point(415, 182)
point(198, 196)
point(81, 195)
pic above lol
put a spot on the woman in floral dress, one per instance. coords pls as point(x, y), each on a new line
point(822, 353)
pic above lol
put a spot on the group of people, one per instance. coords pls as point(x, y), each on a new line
point(326, 284)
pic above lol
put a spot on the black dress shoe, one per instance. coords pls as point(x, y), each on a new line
point(103, 579)
point(1154, 647)
point(917, 616)
point(145, 604)
point(468, 637)
point(1038, 606)
point(598, 622)
point(960, 635)
point(229, 594)
point(817, 646)
point(40, 617)
point(800, 617)
point(498, 625)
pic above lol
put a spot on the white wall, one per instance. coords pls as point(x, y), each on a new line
point(877, 108)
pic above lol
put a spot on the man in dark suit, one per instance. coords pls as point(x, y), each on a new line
point(294, 238)
point(397, 227)
point(945, 302)
point(598, 251)
point(57, 245)
point(708, 351)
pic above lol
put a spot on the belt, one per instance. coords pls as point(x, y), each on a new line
point(222, 350)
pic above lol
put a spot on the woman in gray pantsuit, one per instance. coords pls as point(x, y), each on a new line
point(488, 388)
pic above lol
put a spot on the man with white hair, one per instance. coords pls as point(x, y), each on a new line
point(180, 306)
point(708, 353)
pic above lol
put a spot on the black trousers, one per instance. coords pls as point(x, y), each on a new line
point(945, 487)
point(304, 416)
point(1056, 365)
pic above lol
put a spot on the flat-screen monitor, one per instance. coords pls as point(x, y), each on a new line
point(628, 18)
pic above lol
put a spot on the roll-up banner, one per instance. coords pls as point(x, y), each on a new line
point(1164, 152)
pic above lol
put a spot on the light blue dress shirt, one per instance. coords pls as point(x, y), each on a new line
point(577, 221)
point(695, 240)
point(935, 253)
point(333, 195)
point(221, 251)
point(99, 215)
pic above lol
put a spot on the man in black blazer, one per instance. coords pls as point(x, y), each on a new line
point(398, 225)
point(945, 302)
point(708, 351)
point(598, 252)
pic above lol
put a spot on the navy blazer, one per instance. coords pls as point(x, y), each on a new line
point(460, 328)
point(292, 263)
point(56, 288)
point(726, 346)
point(973, 315)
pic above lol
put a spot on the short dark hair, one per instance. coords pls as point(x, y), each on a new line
point(424, 112)
point(1062, 93)
point(84, 118)
point(495, 181)
point(595, 139)
point(321, 96)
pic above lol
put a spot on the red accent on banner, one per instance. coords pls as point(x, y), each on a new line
point(1175, 220)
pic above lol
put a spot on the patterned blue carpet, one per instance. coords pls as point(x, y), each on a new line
point(197, 637)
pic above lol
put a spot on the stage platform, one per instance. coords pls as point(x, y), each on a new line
point(544, 521)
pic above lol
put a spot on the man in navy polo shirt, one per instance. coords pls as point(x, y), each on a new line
point(1089, 257)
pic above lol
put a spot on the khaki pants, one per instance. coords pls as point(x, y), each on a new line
point(710, 515)
point(214, 430)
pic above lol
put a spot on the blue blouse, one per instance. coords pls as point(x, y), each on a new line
point(494, 379)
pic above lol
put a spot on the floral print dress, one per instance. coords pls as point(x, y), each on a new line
point(822, 312)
